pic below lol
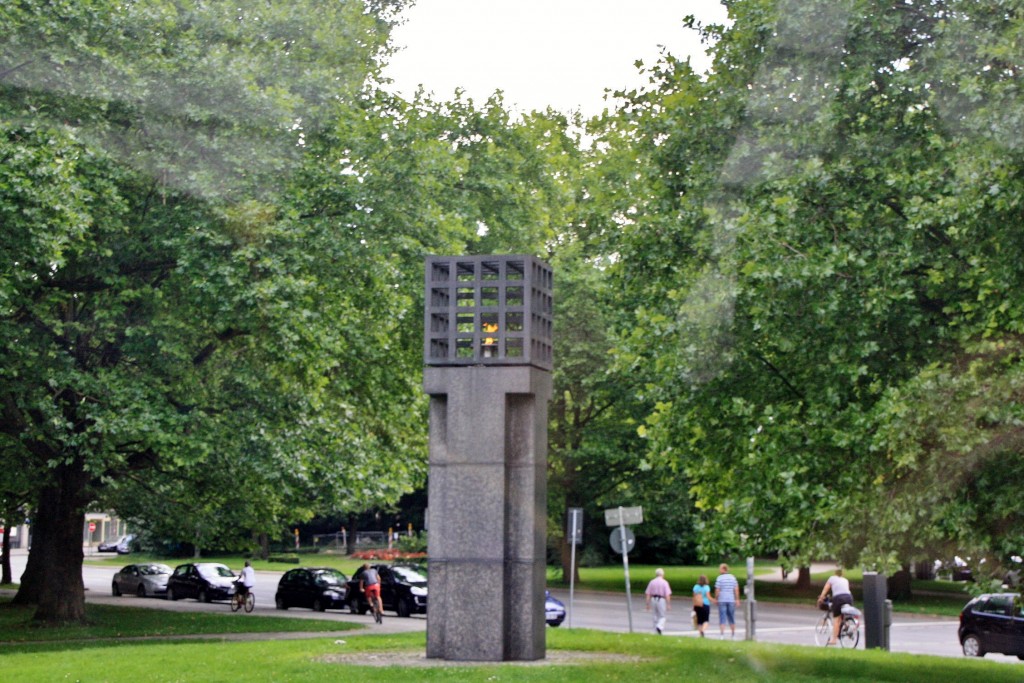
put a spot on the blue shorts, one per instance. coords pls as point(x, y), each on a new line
point(727, 613)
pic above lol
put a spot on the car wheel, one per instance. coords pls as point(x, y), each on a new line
point(403, 608)
point(353, 606)
point(171, 595)
point(115, 589)
point(203, 597)
point(972, 646)
point(318, 605)
point(555, 624)
point(280, 603)
point(141, 591)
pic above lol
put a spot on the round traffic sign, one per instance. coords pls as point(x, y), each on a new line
point(92, 526)
point(616, 539)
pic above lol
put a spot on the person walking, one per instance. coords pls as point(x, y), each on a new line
point(702, 603)
point(659, 596)
point(727, 595)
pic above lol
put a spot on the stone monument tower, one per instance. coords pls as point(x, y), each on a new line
point(488, 357)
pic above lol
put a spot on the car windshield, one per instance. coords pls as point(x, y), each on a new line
point(213, 570)
point(154, 569)
point(410, 576)
point(330, 577)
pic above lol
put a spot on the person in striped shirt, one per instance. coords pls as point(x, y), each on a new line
point(727, 594)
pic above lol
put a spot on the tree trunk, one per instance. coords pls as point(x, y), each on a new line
point(5, 572)
point(264, 543)
point(899, 585)
point(53, 575)
point(803, 578)
point(350, 538)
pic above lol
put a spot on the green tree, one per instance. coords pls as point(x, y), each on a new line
point(161, 298)
point(816, 223)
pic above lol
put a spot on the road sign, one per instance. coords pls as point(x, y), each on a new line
point(620, 515)
point(574, 533)
point(92, 527)
point(616, 539)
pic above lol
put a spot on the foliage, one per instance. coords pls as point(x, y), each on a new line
point(818, 225)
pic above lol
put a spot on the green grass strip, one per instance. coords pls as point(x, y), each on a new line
point(624, 657)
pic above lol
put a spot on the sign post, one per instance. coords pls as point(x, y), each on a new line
point(575, 538)
point(622, 539)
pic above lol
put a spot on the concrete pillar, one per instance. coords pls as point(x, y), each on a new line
point(488, 512)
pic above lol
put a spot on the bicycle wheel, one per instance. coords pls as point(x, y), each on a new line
point(823, 630)
point(250, 601)
point(849, 635)
point(236, 602)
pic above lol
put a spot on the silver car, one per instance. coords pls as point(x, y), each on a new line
point(141, 579)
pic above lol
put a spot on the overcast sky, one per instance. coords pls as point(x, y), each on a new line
point(562, 53)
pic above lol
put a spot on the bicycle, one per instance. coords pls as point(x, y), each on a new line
point(375, 607)
point(849, 631)
point(241, 600)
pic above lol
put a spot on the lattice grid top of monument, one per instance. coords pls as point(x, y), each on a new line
point(488, 310)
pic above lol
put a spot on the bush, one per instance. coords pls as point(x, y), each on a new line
point(287, 558)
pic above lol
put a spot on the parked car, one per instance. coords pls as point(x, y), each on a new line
point(403, 589)
point(204, 581)
point(554, 610)
point(141, 579)
point(992, 623)
point(319, 588)
point(121, 546)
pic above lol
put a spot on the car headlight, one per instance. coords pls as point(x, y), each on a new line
point(419, 592)
point(333, 595)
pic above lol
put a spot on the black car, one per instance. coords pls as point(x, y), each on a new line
point(403, 589)
point(204, 581)
point(121, 546)
point(319, 588)
point(992, 623)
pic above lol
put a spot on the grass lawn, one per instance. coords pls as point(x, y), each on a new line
point(115, 622)
point(626, 657)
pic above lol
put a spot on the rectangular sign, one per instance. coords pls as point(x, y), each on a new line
point(623, 516)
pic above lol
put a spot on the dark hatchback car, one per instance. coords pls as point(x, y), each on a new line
point(319, 588)
point(403, 589)
point(992, 623)
point(204, 581)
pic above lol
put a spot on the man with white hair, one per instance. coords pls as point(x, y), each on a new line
point(658, 595)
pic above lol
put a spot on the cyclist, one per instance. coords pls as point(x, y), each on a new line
point(841, 595)
point(369, 583)
point(246, 580)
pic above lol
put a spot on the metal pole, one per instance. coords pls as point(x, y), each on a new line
point(625, 567)
point(572, 567)
point(749, 609)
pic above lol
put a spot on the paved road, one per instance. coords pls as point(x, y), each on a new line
point(776, 623)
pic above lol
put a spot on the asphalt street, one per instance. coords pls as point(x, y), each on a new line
point(774, 623)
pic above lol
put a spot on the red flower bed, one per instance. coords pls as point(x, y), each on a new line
point(386, 555)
